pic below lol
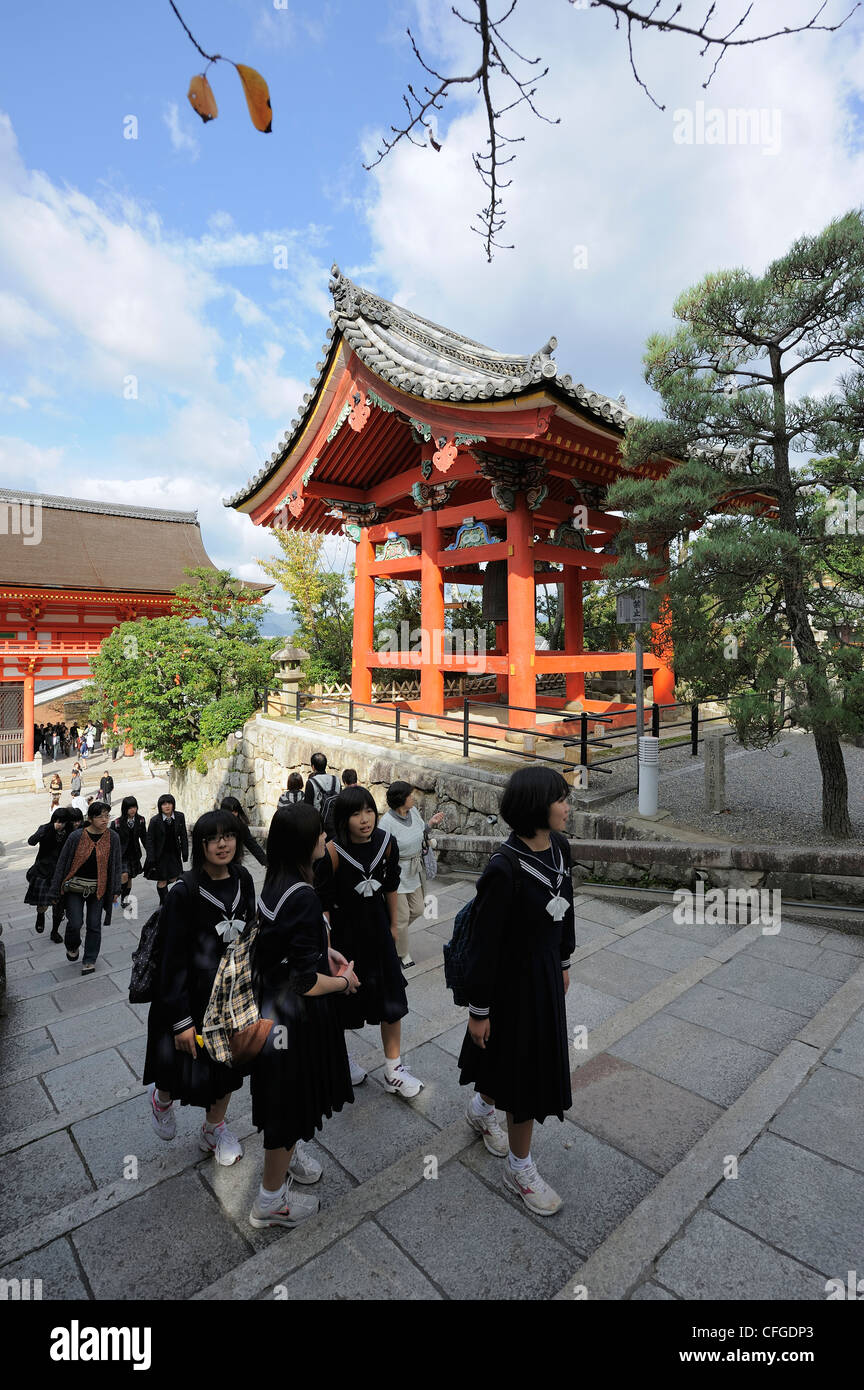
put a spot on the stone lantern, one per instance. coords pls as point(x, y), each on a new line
point(289, 661)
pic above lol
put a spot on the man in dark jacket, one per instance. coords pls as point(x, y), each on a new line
point(167, 845)
point(106, 787)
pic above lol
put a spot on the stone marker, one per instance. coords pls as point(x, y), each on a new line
point(715, 772)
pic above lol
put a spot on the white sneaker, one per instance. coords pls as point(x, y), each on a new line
point(221, 1143)
point(407, 961)
point(164, 1121)
point(290, 1211)
point(303, 1167)
point(494, 1138)
point(402, 1083)
point(358, 1075)
point(537, 1195)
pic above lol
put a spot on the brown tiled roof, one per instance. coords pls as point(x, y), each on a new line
point(100, 545)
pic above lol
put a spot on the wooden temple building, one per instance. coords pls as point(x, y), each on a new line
point(450, 463)
point(70, 571)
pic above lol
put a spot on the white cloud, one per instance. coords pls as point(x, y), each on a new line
point(181, 140)
point(271, 394)
point(23, 462)
point(655, 216)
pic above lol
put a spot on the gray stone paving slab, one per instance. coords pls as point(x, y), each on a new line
point(646, 1117)
point(451, 1041)
point(87, 993)
point(56, 1266)
point(29, 1047)
point(599, 1184)
point(16, 949)
point(354, 1136)
point(704, 934)
point(100, 1078)
point(658, 948)
point(587, 1006)
point(29, 1013)
point(803, 931)
point(520, 1261)
point(774, 983)
point(714, 1259)
point(695, 1058)
point(28, 982)
point(443, 929)
point(165, 1244)
point(786, 950)
point(26, 1101)
point(429, 996)
point(124, 1129)
point(120, 959)
point(134, 1052)
point(653, 1292)
point(113, 1023)
point(39, 1178)
point(365, 1266)
point(424, 946)
point(844, 942)
point(827, 1115)
point(618, 975)
point(593, 933)
point(835, 964)
point(803, 1204)
point(18, 968)
point(442, 1099)
point(236, 1188)
point(604, 911)
point(752, 1022)
point(414, 1026)
point(847, 1054)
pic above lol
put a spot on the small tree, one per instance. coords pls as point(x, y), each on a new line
point(182, 683)
point(769, 566)
point(319, 604)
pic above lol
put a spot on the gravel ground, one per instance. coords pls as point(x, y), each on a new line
point(774, 795)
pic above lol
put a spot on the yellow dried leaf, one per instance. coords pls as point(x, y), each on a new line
point(202, 99)
point(257, 98)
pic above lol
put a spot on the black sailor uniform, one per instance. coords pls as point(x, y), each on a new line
point(516, 951)
point(167, 847)
point(360, 926)
point(133, 842)
point(301, 1074)
point(191, 951)
point(41, 873)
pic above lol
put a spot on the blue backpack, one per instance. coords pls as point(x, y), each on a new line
point(458, 949)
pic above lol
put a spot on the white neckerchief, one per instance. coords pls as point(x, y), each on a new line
point(230, 927)
point(557, 906)
point(368, 886)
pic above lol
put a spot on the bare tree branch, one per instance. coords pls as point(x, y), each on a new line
point(494, 65)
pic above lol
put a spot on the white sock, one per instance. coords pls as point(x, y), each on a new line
point(269, 1199)
point(479, 1106)
point(390, 1066)
point(211, 1129)
point(518, 1164)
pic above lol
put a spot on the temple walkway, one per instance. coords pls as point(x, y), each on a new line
point(713, 1149)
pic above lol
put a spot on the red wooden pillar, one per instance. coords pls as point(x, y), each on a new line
point(663, 679)
point(573, 632)
point(502, 683)
point(364, 621)
point(431, 617)
point(521, 621)
point(29, 715)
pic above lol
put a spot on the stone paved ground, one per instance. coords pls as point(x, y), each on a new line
point(707, 1047)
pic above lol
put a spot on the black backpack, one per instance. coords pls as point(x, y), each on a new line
point(457, 949)
point(321, 800)
point(145, 960)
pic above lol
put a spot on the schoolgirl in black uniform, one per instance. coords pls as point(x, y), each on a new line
point(131, 831)
point(50, 838)
point(357, 879)
point(522, 935)
point(301, 1075)
point(167, 845)
point(248, 841)
point(203, 912)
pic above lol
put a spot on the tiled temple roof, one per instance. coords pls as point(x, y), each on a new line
point(431, 363)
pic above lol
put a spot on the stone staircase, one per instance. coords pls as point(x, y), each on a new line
point(697, 1051)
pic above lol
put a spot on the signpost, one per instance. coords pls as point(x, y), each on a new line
point(632, 610)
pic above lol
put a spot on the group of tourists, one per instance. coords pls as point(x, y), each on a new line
point(328, 942)
point(56, 741)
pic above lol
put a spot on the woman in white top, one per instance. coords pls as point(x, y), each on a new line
point(408, 828)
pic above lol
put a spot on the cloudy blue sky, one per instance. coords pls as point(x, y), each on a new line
point(153, 258)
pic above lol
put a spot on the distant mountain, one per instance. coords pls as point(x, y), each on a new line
point(278, 625)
